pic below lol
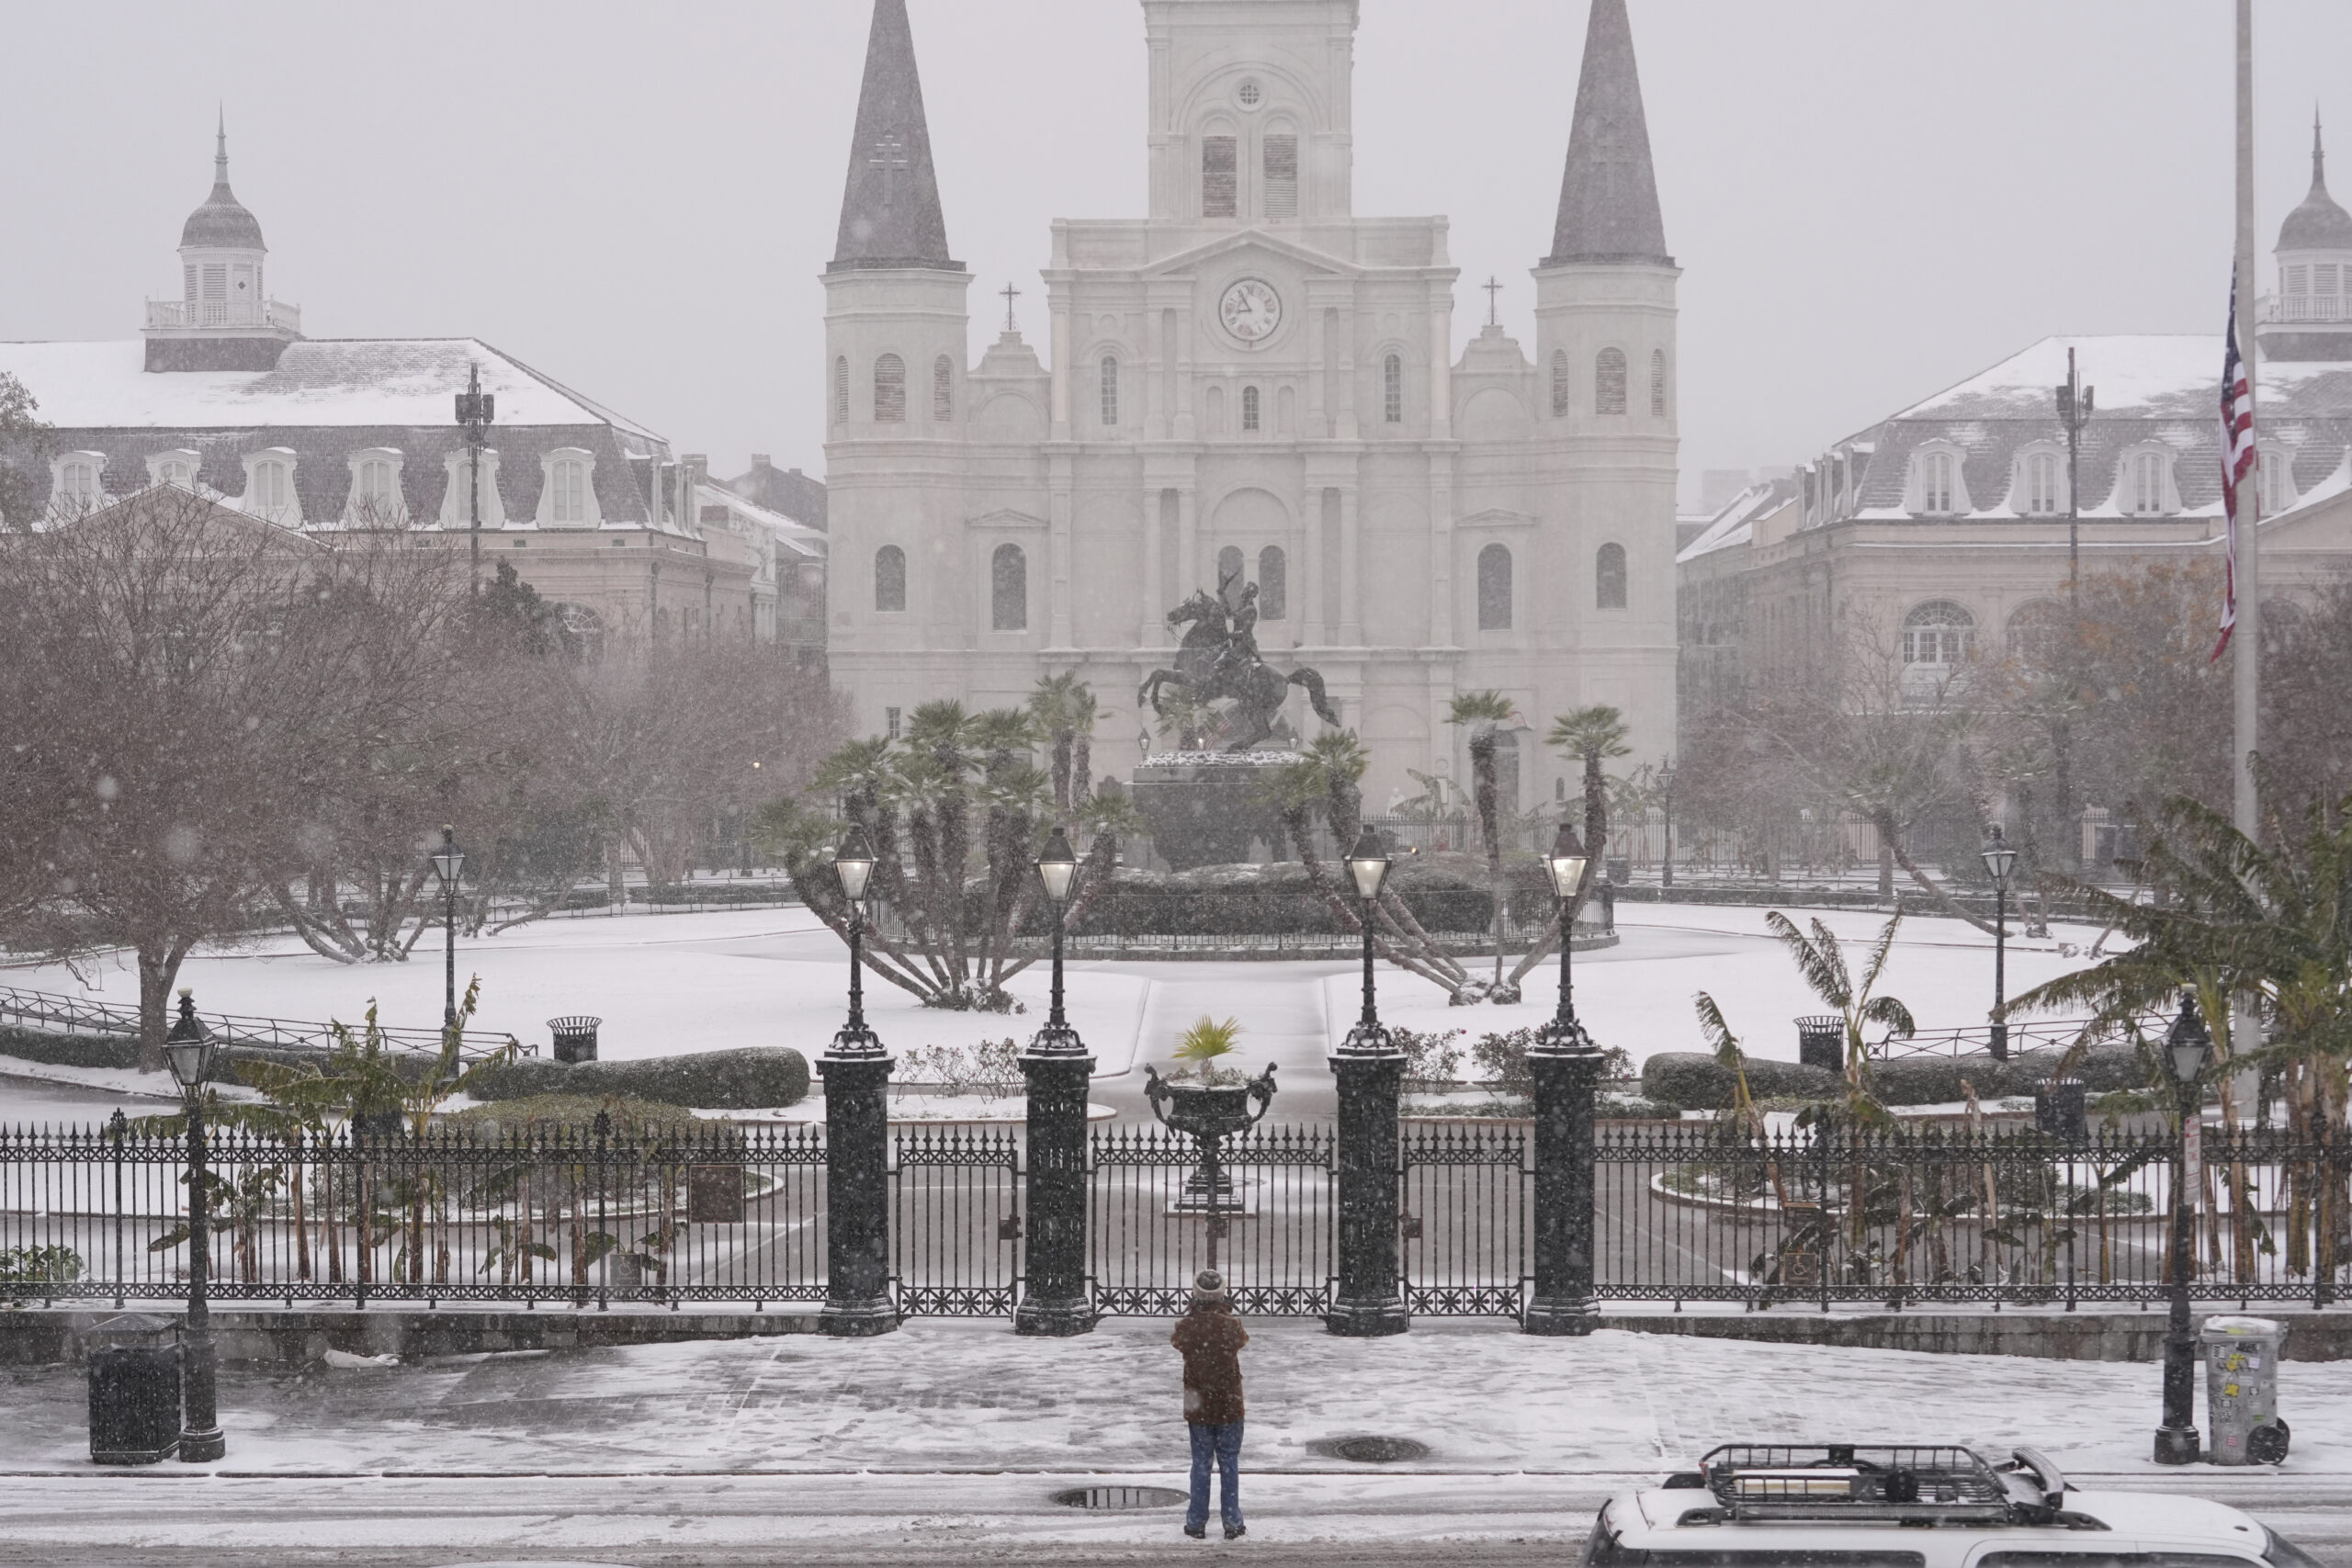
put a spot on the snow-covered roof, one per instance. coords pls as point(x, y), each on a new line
point(2147, 375)
point(318, 382)
point(1735, 522)
point(797, 537)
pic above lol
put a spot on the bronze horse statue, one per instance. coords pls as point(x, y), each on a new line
point(1218, 659)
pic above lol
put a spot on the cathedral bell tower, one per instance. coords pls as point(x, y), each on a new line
point(896, 325)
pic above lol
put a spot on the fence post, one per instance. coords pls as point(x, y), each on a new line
point(1053, 1296)
point(1568, 1082)
point(857, 1187)
point(1371, 1071)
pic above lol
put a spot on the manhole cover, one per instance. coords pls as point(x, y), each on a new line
point(1369, 1451)
point(1120, 1497)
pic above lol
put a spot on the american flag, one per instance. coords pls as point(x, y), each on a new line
point(2237, 461)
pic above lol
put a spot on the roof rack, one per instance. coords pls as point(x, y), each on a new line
point(1914, 1483)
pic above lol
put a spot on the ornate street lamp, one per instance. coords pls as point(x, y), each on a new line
point(1368, 865)
point(190, 1050)
point(1666, 806)
point(853, 863)
point(1564, 866)
point(1999, 861)
point(1058, 870)
point(449, 864)
point(2188, 1046)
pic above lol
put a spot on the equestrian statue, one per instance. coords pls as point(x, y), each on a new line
point(1219, 658)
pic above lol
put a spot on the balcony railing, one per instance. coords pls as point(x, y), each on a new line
point(2312, 307)
point(223, 313)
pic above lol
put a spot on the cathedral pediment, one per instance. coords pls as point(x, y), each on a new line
point(1005, 517)
point(1497, 517)
point(1254, 239)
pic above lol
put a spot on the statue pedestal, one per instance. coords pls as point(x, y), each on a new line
point(1206, 807)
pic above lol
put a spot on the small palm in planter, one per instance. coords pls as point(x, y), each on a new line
point(1210, 1102)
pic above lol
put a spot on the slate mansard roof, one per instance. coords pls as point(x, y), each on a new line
point(327, 399)
point(2151, 389)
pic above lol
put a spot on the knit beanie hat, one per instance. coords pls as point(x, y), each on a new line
point(1208, 1287)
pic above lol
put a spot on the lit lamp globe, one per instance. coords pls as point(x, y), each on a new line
point(853, 863)
point(1565, 865)
point(1997, 856)
point(1368, 865)
point(1058, 868)
point(448, 860)
point(2188, 1043)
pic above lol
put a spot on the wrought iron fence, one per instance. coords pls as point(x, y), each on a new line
point(1691, 1213)
point(1684, 1212)
point(79, 1015)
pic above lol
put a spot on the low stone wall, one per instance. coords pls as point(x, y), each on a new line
point(2104, 1335)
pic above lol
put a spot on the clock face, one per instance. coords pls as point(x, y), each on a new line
point(1251, 311)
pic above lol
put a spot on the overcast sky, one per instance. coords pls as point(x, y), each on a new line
point(1871, 199)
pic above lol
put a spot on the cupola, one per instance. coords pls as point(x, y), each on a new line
point(2309, 317)
point(224, 319)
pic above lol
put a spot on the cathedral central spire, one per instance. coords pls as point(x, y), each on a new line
point(1608, 195)
point(890, 215)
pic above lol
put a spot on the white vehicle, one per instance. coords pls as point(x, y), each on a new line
point(1878, 1506)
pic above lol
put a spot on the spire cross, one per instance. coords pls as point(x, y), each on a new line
point(1010, 294)
point(890, 157)
point(1494, 292)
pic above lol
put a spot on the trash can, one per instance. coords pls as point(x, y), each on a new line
point(135, 1390)
point(1821, 1042)
point(2060, 1107)
point(575, 1037)
point(2242, 1389)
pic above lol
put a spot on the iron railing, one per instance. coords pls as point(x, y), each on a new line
point(1684, 1212)
point(79, 1015)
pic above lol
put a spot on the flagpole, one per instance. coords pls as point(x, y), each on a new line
point(2245, 641)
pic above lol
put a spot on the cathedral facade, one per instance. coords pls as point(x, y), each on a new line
point(1255, 385)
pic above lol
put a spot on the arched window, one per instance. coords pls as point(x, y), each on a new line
point(943, 389)
point(1609, 577)
point(1936, 472)
point(270, 491)
point(1229, 568)
point(1937, 633)
point(889, 579)
point(1608, 381)
point(2275, 487)
point(1110, 392)
point(78, 484)
point(1220, 189)
point(890, 390)
point(1494, 589)
point(1273, 583)
point(568, 485)
point(2034, 630)
point(1280, 156)
point(1559, 382)
point(2148, 483)
point(1009, 590)
point(841, 390)
point(1657, 382)
point(1249, 407)
point(1392, 389)
point(2041, 488)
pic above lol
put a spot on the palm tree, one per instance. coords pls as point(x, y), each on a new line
point(1482, 712)
point(1063, 708)
point(1592, 735)
point(1822, 962)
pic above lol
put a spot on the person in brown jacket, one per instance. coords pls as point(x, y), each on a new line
point(1210, 1338)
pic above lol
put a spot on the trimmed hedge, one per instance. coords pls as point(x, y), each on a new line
point(69, 1050)
point(750, 1079)
point(1275, 900)
point(1694, 1081)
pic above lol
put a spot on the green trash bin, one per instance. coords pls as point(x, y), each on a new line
point(2242, 1389)
point(135, 1390)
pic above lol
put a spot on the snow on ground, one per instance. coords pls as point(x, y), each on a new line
point(668, 983)
point(944, 1397)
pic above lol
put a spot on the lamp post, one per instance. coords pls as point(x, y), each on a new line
point(856, 1072)
point(1371, 1073)
point(1665, 805)
point(2187, 1045)
point(1058, 1069)
point(1999, 859)
point(1565, 1067)
point(476, 410)
point(449, 864)
point(189, 1049)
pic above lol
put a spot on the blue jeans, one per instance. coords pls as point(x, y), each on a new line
point(1223, 1443)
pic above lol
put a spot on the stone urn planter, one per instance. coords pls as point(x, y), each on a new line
point(1210, 1113)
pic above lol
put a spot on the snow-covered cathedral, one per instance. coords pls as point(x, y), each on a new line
point(1255, 384)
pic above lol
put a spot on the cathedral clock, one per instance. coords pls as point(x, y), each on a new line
point(1251, 311)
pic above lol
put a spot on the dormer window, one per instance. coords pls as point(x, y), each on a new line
point(2041, 483)
point(77, 482)
point(174, 467)
point(1939, 486)
point(567, 495)
point(2275, 480)
point(463, 493)
point(269, 486)
point(375, 499)
point(2146, 482)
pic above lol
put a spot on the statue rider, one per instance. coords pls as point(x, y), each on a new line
point(1240, 654)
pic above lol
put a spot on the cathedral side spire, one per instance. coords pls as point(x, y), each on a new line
point(890, 215)
point(1608, 209)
